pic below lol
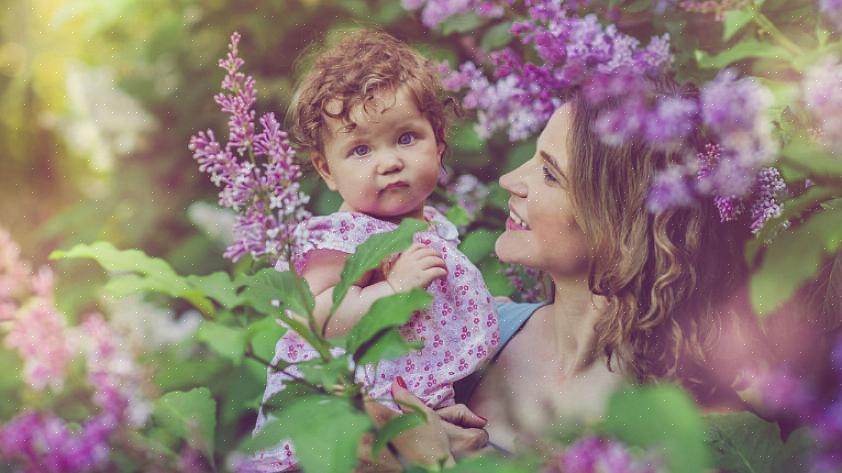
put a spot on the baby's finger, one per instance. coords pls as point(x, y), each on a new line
point(432, 262)
point(433, 273)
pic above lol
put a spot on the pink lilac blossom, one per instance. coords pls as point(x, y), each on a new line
point(435, 12)
point(38, 334)
point(596, 455)
point(267, 196)
point(822, 92)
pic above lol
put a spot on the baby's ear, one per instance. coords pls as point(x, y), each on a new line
point(320, 163)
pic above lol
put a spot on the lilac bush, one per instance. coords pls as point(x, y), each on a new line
point(595, 454)
point(267, 195)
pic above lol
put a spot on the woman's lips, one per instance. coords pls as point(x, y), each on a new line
point(511, 225)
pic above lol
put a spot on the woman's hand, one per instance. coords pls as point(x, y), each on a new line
point(451, 432)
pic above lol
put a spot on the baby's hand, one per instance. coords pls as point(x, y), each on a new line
point(415, 267)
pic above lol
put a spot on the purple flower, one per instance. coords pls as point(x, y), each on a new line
point(770, 189)
point(435, 12)
point(597, 455)
point(671, 121)
point(267, 195)
point(822, 91)
point(832, 9)
point(670, 188)
point(527, 283)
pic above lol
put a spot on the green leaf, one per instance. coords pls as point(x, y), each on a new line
point(748, 48)
point(494, 274)
point(150, 274)
point(518, 155)
point(496, 37)
point(190, 416)
point(218, 286)
point(269, 290)
point(386, 312)
point(793, 258)
point(458, 216)
point(461, 23)
point(395, 427)
point(329, 441)
point(466, 140)
point(742, 442)
point(662, 417)
point(797, 453)
point(325, 374)
point(479, 244)
point(293, 391)
point(371, 253)
point(735, 20)
point(804, 157)
point(264, 335)
point(229, 342)
point(792, 208)
point(389, 345)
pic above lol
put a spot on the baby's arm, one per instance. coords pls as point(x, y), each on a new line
point(416, 267)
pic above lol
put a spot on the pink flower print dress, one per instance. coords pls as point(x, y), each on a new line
point(459, 329)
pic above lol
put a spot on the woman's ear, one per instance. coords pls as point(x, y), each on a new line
point(320, 163)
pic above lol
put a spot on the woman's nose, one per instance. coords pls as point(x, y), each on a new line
point(512, 182)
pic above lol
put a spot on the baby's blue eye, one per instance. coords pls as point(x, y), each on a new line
point(360, 150)
point(405, 139)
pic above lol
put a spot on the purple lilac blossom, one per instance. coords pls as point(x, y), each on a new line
point(527, 283)
point(832, 9)
point(267, 196)
point(469, 193)
point(770, 188)
point(670, 188)
point(595, 455)
point(822, 92)
point(435, 12)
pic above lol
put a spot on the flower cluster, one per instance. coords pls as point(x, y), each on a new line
point(36, 330)
point(41, 441)
point(434, 12)
point(596, 454)
point(469, 193)
point(266, 196)
point(822, 93)
point(527, 282)
point(572, 49)
point(832, 9)
point(787, 394)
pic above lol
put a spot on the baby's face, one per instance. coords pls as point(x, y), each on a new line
point(387, 163)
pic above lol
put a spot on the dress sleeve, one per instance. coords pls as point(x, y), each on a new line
point(340, 231)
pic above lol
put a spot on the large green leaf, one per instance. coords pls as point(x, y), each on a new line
point(479, 244)
point(384, 313)
point(802, 158)
point(264, 335)
point(388, 345)
point(269, 290)
point(145, 273)
point(218, 286)
point(190, 416)
point(497, 36)
point(371, 253)
point(327, 375)
point(734, 21)
point(742, 442)
point(325, 430)
point(793, 258)
point(227, 341)
point(662, 417)
point(746, 49)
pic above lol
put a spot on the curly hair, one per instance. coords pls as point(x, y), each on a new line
point(664, 276)
point(350, 73)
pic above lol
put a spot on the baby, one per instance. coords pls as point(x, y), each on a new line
point(370, 115)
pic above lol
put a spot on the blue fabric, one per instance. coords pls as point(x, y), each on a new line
point(511, 316)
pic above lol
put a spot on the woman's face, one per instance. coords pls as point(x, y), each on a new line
point(541, 231)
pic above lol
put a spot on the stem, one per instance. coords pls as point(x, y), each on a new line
point(309, 336)
point(277, 369)
point(764, 22)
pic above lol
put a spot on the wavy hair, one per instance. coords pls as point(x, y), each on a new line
point(351, 72)
point(664, 276)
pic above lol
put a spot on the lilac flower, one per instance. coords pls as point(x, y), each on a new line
point(670, 188)
point(832, 9)
point(527, 283)
point(45, 444)
point(596, 455)
point(822, 91)
point(436, 12)
point(267, 195)
point(469, 193)
point(38, 334)
point(770, 189)
point(671, 121)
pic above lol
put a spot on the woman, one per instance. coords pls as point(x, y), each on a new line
point(636, 295)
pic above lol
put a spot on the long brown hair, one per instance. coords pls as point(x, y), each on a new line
point(664, 275)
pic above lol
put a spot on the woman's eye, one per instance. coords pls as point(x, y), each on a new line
point(360, 150)
point(548, 175)
point(406, 139)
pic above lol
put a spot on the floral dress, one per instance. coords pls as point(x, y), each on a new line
point(458, 330)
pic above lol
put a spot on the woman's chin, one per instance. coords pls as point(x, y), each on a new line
point(510, 246)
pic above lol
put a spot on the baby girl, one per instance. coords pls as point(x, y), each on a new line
point(370, 115)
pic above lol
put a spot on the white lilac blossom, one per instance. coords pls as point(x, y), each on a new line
point(267, 195)
point(822, 92)
point(149, 327)
point(434, 12)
